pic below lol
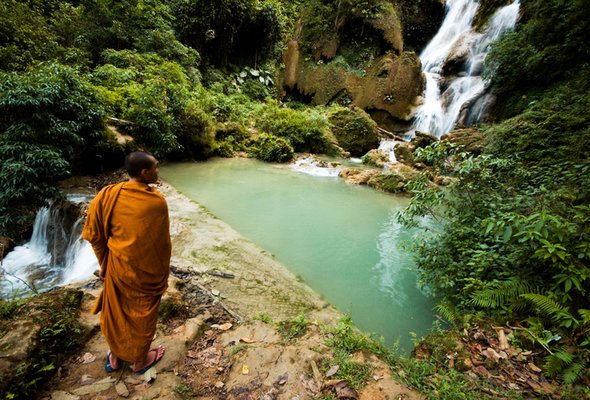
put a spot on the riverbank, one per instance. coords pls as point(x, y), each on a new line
point(235, 323)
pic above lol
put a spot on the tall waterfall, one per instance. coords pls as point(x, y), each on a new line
point(440, 111)
point(55, 255)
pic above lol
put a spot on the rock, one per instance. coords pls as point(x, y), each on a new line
point(122, 389)
point(6, 245)
point(354, 130)
point(61, 395)
point(357, 176)
point(459, 53)
point(404, 153)
point(423, 139)
point(376, 158)
point(97, 387)
point(215, 292)
point(470, 139)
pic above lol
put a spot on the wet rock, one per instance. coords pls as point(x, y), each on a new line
point(358, 176)
point(459, 53)
point(423, 139)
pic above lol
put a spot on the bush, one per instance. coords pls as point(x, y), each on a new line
point(270, 148)
point(307, 130)
point(49, 116)
point(354, 130)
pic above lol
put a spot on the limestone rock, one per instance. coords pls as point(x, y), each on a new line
point(404, 153)
point(375, 158)
point(62, 395)
point(358, 176)
point(470, 139)
point(423, 139)
point(459, 53)
point(97, 387)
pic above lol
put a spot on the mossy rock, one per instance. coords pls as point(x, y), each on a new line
point(35, 340)
point(376, 158)
point(404, 153)
point(395, 180)
point(469, 139)
point(354, 130)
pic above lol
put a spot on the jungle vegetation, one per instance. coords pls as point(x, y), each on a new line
point(189, 79)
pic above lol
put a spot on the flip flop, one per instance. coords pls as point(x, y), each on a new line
point(107, 364)
point(145, 369)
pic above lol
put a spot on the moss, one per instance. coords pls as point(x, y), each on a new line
point(59, 333)
point(354, 130)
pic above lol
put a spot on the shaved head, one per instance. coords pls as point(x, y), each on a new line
point(137, 161)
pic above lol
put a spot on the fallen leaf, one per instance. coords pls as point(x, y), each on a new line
point(282, 379)
point(223, 327)
point(332, 371)
point(377, 377)
point(150, 374)
point(219, 384)
point(534, 367)
point(247, 340)
point(87, 358)
point(245, 370)
point(503, 340)
point(122, 389)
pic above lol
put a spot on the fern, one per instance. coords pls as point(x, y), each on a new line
point(552, 309)
point(558, 362)
point(448, 312)
point(499, 293)
point(573, 372)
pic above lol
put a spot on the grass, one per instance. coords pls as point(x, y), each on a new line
point(293, 329)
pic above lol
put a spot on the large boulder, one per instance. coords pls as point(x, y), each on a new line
point(469, 139)
point(459, 53)
point(354, 130)
point(404, 153)
point(395, 180)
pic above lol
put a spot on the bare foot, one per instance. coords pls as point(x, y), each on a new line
point(153, 356)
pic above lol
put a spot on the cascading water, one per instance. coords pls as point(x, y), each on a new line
point(40, 263)
point(440, 112)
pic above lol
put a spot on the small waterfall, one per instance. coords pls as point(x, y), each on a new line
point(440, 111)
point(55, 255)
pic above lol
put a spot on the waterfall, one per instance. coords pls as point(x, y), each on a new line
point(55, 255)
point(440, 111)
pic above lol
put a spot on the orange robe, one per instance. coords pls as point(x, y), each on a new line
point(128, 227)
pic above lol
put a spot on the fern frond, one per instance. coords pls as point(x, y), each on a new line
point(573, 372)
point(548, 306)
point(557, 362)
point(448, 312)
point(498, 294)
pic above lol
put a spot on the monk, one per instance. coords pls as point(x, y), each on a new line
point(128, 227)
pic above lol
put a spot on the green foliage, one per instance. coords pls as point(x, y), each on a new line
point(270, 148)
point(60, 334)
point(231, 31)
point(49, 115)
point(307, 130)
point(324, 19)
point(549, 47)
point(354, 130)
point(291, 329)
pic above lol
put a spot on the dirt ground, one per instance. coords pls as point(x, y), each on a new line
point(215, 327)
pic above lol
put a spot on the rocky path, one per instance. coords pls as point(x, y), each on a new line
point(220, 326)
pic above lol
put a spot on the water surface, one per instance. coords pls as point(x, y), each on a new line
point(342, 240)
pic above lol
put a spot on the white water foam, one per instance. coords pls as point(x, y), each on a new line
point(440, 112)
